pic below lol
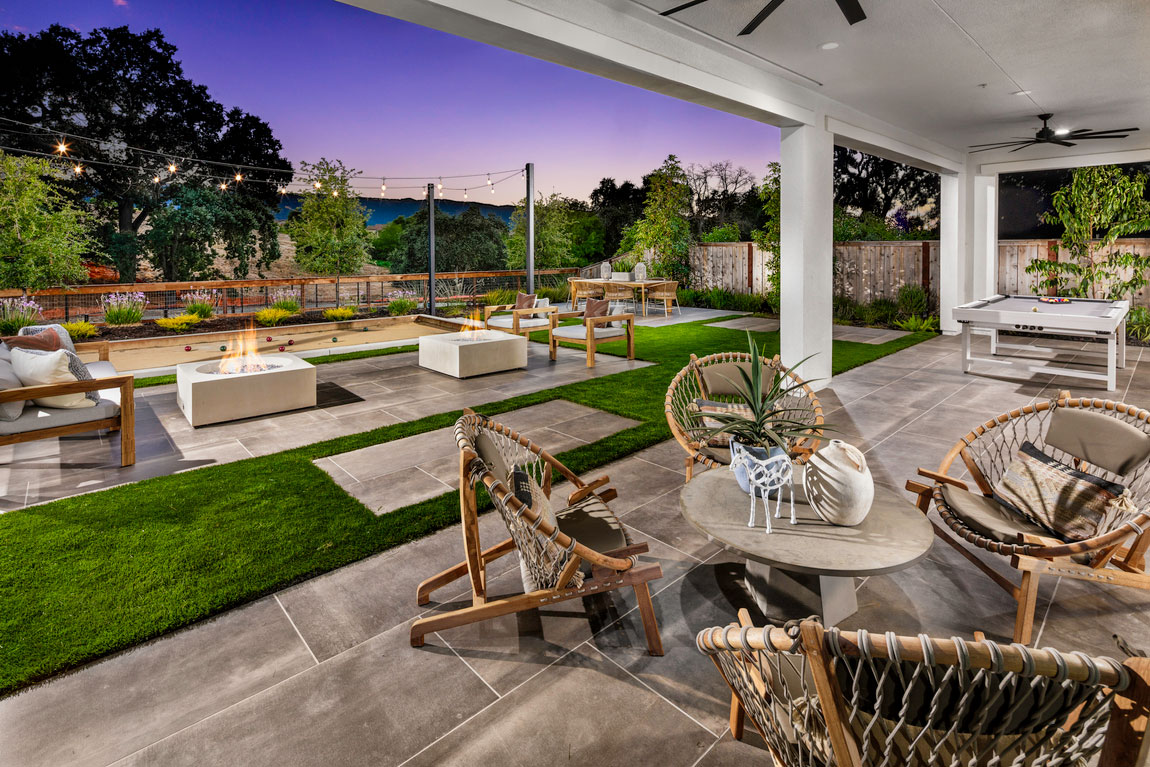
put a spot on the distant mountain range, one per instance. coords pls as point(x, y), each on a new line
point(384, 211)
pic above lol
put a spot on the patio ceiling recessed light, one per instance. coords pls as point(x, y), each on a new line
point(829, 46)
point(1021, 93)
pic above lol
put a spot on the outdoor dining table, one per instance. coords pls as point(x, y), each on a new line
point(641, 285)
point(808, 568)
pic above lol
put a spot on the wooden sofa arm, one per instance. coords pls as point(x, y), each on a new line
point(610, 318)
point(125, 383)
point(102, 348)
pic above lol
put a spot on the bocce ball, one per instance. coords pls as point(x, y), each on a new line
point(291, 342)
point(223, 348)
point(187, 348)
point(281, 348)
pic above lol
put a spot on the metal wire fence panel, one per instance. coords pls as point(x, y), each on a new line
point(364, 292)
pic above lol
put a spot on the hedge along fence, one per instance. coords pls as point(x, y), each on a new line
point(248, 296)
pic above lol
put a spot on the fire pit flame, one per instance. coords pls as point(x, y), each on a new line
point(473, 330)
point(243, 355)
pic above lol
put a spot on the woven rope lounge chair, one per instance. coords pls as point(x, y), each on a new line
point(825, 698)
point(584, 551)
point(714, 378)
point(1108, 439)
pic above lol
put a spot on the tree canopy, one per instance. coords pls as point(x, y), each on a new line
point(877, 186)
point(555, 217)
point(43, 235)
point(330, 231)
point(121, 89)
point(470, 241)
point(664, 230)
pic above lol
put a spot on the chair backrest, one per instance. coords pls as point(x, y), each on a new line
point(989, 449)
point(490, 451)
point(664, 290)
point(855, 699)
point(617, 292)
point(709, 378)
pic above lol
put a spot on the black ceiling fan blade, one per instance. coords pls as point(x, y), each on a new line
point(760, 17)
point(1080, 130)
point(683, 7)
point(1003, 143)
point(852, 9)
point(1030, 143)
point(1099, 136)
point(1061, 143)
point(1105, 132)
point(1020, 144)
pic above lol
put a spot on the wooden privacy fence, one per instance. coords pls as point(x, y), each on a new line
point(364, 291)
point(1015, 255)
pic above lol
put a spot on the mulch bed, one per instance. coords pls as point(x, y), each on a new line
point(149, 329)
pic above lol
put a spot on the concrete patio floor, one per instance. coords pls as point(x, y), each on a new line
point(322, 672)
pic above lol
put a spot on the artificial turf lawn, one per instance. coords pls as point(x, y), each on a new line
point(85, 576)
point(143, 383)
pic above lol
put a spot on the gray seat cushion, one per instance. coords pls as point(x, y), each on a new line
point(988, 517)
point(722, 379)
point(505, 322)
point(592, 524)
point(579, 332)
point(35, 417)
point(1098, 439)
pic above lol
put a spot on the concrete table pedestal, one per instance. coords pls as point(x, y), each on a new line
point(808, 568)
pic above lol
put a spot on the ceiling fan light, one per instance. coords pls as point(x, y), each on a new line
point(828, 46)
point(1021, 93)
point(1061, 131)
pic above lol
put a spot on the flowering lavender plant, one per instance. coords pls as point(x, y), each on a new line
point(16, 313)
point(286, 299)
point(123, 308)
point(201, 303)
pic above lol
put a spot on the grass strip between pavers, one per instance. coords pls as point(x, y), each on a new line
point(88, 575)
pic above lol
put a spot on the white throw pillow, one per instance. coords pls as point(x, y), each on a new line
point(35, 368)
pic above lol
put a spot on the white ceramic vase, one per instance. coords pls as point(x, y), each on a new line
point(838, 484)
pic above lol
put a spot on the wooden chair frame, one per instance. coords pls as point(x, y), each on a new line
point(1117, 557)
point(517, 315)
point(589, 342)
point(581, 289)
point(609, 570)
point(667, 295)
point(1125, 744)
point(691, 375)
point(124, 422)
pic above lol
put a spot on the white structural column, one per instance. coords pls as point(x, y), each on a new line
point(984, 243)
point(953, 275)
point(806, 154)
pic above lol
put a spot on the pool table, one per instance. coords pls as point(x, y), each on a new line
point(1081, 317)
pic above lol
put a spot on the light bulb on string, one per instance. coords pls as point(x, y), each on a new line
point(239, 177)
point(283, 190)
point(440, 187)
point(335, 193)
point(61, 148)
point(223, 185)
point(171, 167)
point(465, 194)
point(383, 188)
point(493, 190)
point(489, 179)
point(155, 179)
point(78, 169)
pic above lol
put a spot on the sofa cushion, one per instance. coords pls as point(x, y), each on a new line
point(47, 340)
point(34, 417)
point(1102, 440)
point(65, 339)
point(987, 516)
point(722, 379)
point(579, 332)
point(507, 322)
point(104, 369)
point(10, 411)
point(36, 368)
point(5, 352)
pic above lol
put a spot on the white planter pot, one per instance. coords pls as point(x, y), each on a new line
point(621, 276)
point(838, 484)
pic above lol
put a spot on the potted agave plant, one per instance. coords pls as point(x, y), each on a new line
point(760, 421)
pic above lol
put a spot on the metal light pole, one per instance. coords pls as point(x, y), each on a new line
point(530, 173)
point(431, 248)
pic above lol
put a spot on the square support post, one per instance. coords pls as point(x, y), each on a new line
point(984, 243)
point(807, 245)
point(952, 268)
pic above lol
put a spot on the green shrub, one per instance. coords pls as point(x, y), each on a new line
point(339, 313)
point(912, 301)
point(845, 309)
point(625, 264)
point(272, 316)
point(446, 310)
point(556, 293)
point(400, 306)
point(123, 308)
point(881, 311)
point(500, 297)
point(79, 330)
point(1138, 323)
point(917, 324)
point(724, 233)
point(180, 323)
point(201, 303)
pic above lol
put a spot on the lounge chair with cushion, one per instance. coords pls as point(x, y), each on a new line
point(829, 698)
point(713, 379)
point(27, 414)
point(569, 547)
point(1101, 443)
point(526, 315)
point(600, 321)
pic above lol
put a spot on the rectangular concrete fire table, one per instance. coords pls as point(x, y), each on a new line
point(472, 352)
point(206, 395)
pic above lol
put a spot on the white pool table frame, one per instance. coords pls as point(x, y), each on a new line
point(980, 315)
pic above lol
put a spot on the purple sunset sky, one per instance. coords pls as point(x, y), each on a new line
point(392, 98)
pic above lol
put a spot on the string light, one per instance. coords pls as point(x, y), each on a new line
point(441, 194)
point(171, 167)
point(317, 185)
point(465, 194)
point(239, 177)
point(223, 185)
point(78, 169)
point(493, 190)
point(283, 190)
point(489, 179)
point(155, 179)
point(335, 193)
point(61, 148)
point(440, 187)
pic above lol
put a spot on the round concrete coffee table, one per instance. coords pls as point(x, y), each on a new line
point(807, 568)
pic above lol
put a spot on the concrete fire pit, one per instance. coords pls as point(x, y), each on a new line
point(472, 352)
point(207, 395)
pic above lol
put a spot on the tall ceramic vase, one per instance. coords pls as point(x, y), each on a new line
point(838, 484)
